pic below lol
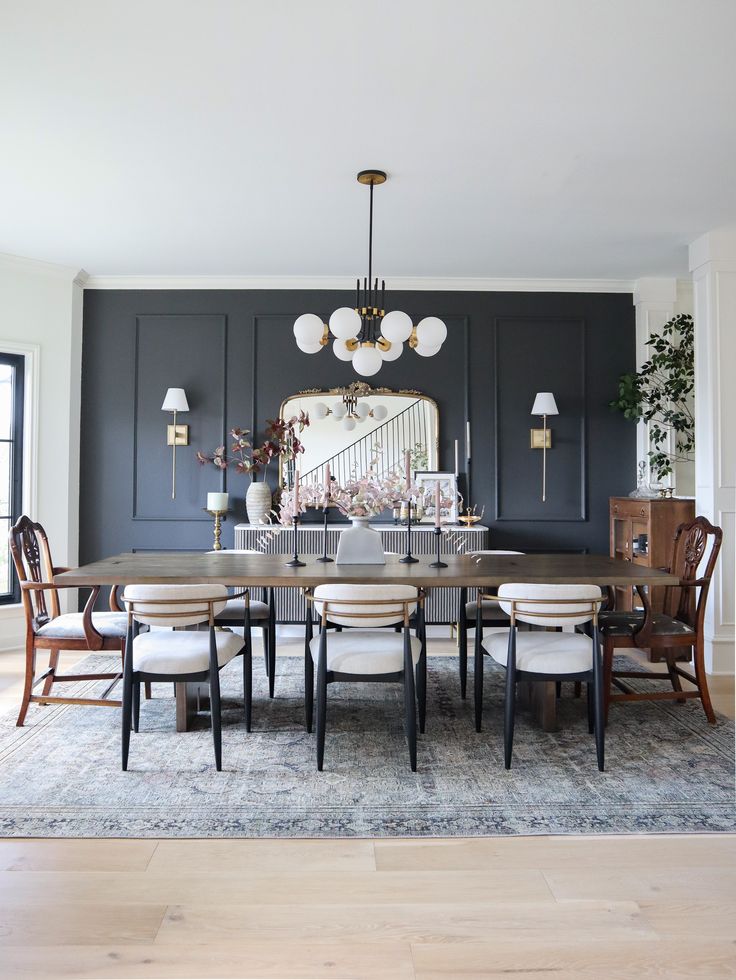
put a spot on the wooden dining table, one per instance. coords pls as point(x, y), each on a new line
point(470, 571)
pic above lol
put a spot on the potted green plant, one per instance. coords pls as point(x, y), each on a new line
point(660, 393)
point(282, 442)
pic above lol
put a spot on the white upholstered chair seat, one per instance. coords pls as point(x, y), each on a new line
point(365, 651)
point(544, 653)
point(235, 609)
point(182, 651)
point(69, 626)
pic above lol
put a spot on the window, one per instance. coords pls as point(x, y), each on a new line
point(11, 465)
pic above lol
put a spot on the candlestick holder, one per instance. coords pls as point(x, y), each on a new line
point(295, 563)
point(218, 516)
point(325, 556)
point(438, 537)
point(408, 558)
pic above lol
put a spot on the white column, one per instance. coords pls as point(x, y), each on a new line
point(654, 302)
point(713, 265)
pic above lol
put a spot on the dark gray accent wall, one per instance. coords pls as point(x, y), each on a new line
point(234, 353)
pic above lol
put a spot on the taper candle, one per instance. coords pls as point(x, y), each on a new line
point(328, 478)
point(407, 467)
point(437, 505)
point(296, 494)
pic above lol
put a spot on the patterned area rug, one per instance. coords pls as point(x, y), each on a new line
point(668, 771)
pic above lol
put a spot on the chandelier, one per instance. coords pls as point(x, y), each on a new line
point(367, 335)
point(349, 411)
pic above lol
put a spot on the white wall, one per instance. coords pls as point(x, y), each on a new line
point(41, 308)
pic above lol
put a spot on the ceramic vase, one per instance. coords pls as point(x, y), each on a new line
point(258, 503)
point(360, 544)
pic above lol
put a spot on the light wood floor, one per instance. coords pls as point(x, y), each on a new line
point(606, 907)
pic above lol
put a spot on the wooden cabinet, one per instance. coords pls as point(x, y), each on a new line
point(642, 531)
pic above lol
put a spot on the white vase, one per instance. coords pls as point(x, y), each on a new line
point(360, 545)
point(258, 503)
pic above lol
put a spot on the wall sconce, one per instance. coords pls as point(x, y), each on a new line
point(176, 435)
point(544, 405)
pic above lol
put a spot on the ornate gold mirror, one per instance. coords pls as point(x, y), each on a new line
point(358, 426)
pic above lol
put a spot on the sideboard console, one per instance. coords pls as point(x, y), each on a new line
point(272, 539)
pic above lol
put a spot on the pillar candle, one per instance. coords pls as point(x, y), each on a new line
point(437, 505)
point(407, 467)
point(296, 495)
point(217, 501)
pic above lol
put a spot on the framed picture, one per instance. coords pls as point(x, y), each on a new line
point(426, 480)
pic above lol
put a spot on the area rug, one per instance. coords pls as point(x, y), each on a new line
point(667, 770)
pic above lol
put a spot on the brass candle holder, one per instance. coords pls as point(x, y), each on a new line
point(219, 516)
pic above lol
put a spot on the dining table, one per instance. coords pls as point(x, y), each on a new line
point(484, 571)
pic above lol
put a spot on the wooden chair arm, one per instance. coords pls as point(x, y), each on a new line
point(93, 638)
point(44, 586)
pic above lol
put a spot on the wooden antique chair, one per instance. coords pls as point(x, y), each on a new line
point(678, 627)
point(361, 654)
point(177, 654)
point(48, 629)
point(540, 655)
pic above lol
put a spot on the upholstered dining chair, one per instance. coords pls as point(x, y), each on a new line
point(544, 656)
point(50, 630)
point(177, 654)
point(679, 627)
point(262, 615)
point(493, 615)
point(364, 651)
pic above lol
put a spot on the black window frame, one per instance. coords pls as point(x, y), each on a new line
point(18, 363)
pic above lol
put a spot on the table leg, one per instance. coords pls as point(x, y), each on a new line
point(191, 698)
point(541, 697)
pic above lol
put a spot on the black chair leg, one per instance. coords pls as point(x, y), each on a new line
point(136, 705)
point(216, 717)
point(271, 668)
point(462, 640)
point(600, 721)
point(266, 643)
point(421, 676)
point(558, 689)
point(509, 712)
point(126, 716)
point(590, 697)
point(478, 683)
point(410, 704)
point(321, 699)
point(248, 683)
point(308, 689)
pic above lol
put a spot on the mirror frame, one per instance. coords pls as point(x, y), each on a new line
point(362, 389)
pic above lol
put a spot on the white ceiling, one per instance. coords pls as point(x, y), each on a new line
point(541, 138)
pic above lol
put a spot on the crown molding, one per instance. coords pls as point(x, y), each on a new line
point(397, 284)
point(24, 264)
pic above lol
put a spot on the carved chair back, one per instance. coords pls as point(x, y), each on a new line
point(29, 547)
point(696, 547)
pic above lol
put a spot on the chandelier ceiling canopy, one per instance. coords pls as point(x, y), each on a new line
point(367, 335)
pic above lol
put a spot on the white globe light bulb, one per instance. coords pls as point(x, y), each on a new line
point(348, 424)
point(308, 328)
point(367, 361)
point(345, 323)
point(320, 411)
point(308, 348)
point(380, 412)
point(394, 352)
point(339, 411)
point(341, 352)
point(396, 326)
point(362, 410)
point(425, 351)
point(431, 332)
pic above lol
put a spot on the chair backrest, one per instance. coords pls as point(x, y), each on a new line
point(694, 555)
point(366, 605)
point(29, 546)
point(174, 605)
point(550, 605)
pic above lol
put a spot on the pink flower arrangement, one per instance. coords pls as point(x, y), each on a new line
point(367, 496)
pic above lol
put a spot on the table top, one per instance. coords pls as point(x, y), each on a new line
point(230, 568)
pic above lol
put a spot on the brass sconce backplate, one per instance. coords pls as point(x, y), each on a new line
point(537, 438)
point(177, 435)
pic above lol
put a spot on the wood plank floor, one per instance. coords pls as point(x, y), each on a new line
point(607, 907)
point(566, 907)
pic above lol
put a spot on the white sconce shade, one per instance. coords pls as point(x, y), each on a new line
point(431, 332)
point(341, 352)
point(175, 401)
point(394, 352)
point(320, 411)
point(308, 329)
point(367, 361)
point(544, 404)
point(345, 323)
point(396, 327)
point(380, 412)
